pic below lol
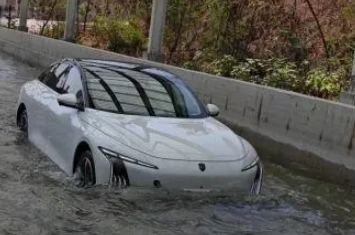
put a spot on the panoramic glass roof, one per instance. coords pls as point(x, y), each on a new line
point(125, 90)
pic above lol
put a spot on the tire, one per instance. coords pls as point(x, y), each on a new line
point(84, 174)
point(22, 121)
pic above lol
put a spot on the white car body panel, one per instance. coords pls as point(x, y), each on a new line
point(176, 146)
point(172, 138)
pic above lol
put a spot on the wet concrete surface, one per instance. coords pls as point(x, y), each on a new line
point(37, 198)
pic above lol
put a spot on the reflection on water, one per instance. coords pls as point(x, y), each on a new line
point(37, 198)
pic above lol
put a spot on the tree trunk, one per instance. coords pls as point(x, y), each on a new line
point(178, 30)
point(49, 17)
point(86, 14)
point(77, 18)
point(319, 28)
point(107, 4)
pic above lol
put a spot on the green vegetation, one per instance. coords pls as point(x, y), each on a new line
point(298, 45)
point(122, 36)
point(281, 73)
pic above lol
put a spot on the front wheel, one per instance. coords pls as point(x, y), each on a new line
point(22, 120)
point(84, 174)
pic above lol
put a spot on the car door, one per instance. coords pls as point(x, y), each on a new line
point(65, 126)
point(36, 108)
point(41, 104)
point(48, 100)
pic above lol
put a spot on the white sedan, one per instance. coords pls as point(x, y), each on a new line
point(107, 122)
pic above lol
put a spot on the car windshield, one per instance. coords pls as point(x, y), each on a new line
point(147, 92)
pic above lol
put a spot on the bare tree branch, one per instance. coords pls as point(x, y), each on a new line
point(86, 13)
point(50, 15)
point(320, 29)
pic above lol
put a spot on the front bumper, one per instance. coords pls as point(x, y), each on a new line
point(186, 176)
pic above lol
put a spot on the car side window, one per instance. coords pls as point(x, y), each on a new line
point(52, 77)
point(44, 76)
point(70, 82)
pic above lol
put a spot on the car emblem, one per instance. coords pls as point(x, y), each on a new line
point(202, 166)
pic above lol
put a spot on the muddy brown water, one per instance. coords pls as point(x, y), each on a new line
point(37, 198)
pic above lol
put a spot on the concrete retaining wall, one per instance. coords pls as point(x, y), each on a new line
point(291, 129)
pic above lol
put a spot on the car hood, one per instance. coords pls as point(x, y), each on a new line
point(172, 138)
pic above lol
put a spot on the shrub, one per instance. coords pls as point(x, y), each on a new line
point(252, 70)
point(121, 36)
point(224, 66)
point(282, 74)
point(55, 31)
point(323, 84)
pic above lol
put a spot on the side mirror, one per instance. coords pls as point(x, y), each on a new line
point(213, 110)
point(69, 100)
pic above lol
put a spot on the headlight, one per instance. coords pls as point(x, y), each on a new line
point(250, 163)
point(111, 154)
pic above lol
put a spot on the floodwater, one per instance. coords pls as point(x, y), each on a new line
point(37, 198)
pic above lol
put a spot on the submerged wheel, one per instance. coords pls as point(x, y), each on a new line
point(22, 120)
point(84, 174)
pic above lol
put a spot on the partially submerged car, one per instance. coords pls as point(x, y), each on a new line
point(127, 124)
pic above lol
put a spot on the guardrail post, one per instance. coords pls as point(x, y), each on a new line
point(9, 16)
point(156, 33)
point(69, 32)
point(348, 97)
point(23, 16)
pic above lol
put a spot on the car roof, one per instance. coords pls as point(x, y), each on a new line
point(108, 63)
point(113, 65)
